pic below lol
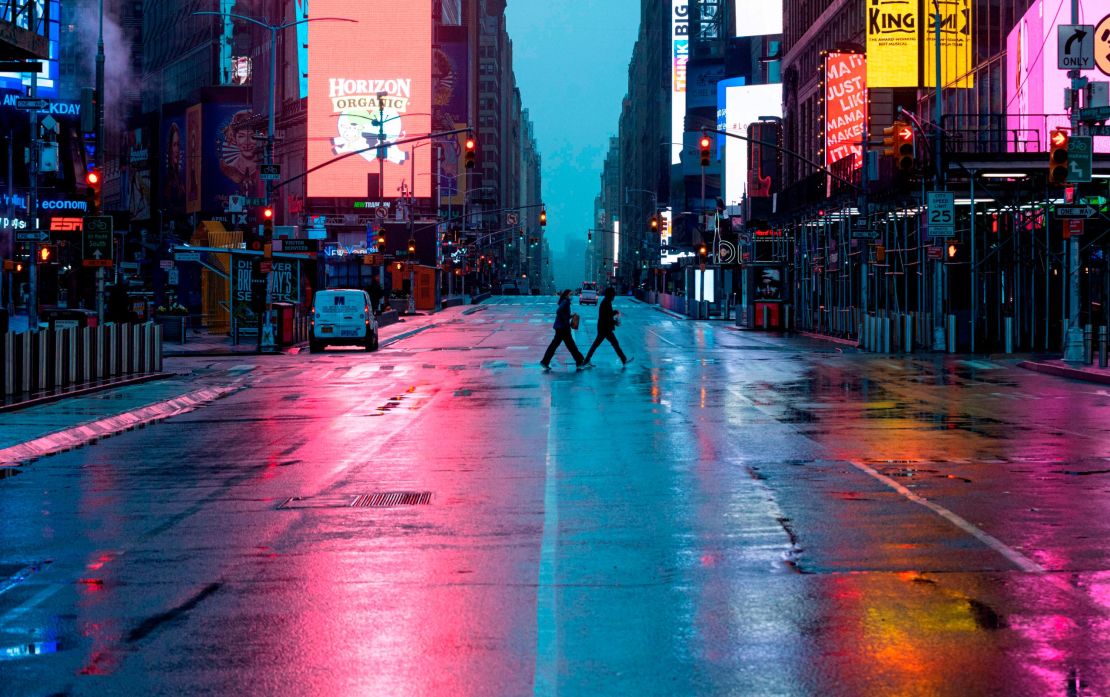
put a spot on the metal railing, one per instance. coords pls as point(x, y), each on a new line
point(52, 359)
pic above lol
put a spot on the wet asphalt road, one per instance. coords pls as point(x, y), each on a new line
point(732, 514)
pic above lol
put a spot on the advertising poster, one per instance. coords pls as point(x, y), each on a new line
point(893, 43)
point(300, 9)
point(284, 285)
point(248, 295)
point(1034, 85)
point(173, 163)
point(358, 73)
point(230, 148)
point(956, 42)
point(845, 107)
point(680, 56)
point(450, 109)
point(193, 163)
point(137, 181)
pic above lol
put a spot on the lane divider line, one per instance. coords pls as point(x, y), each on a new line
point(83, 434)
point(1015, 557)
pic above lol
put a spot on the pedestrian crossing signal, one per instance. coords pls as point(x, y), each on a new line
point(1058, 157)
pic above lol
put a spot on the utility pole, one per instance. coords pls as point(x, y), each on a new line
point(99, 149)
point(33, 203)
point(938, 268)
point(1073, 348)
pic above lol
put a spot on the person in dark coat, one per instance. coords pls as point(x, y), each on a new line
point(562, 333)
point(606, 324)
point(376, 294)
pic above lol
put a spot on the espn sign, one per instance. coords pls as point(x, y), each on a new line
point(67, 224)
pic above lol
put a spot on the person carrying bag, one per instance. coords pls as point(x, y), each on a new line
point(564, 323)
point(607, 320)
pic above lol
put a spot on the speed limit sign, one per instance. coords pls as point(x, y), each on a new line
point(941, 210)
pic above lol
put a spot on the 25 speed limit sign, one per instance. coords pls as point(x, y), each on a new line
point(941, 210)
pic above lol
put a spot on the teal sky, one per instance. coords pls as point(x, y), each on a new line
point(571, 62)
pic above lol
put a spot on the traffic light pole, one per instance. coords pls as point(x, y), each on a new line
point(1073, 348)
point(938, 268)
point(32, 213)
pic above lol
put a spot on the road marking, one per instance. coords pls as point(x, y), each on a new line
point(1016, 558)
point(545, 673)
point(29, 604)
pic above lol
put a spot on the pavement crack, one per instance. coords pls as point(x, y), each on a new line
point(154, 622)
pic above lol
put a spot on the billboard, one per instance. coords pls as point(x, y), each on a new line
point(1034, 85)
point(744, 105)
point(194, 165)
point(173, 162)
point(758, 17)
point(901, 43)
point(357, 73)
point(47, 80)
point(680, 56)
point(450, 108)
point(845, 107)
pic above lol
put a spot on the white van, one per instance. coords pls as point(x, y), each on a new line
point(342, 317)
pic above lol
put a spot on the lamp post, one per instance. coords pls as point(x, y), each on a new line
point(266, 331)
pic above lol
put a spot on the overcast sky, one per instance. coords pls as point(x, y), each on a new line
point(571, 62)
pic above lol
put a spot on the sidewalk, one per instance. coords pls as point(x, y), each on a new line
point(1087, 373)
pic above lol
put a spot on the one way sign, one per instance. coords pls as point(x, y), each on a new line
point(1077, 46)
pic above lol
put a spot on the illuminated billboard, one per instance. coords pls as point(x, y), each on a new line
point(845, 107)
point(680, 56)
point(48, 76)
point(1034, 85)
point(758, 17)
point(893, 43)
point(357, 73)
point(744, 105)
point(901, 43)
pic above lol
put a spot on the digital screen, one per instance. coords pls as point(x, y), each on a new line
point(744, 105)
point(1034, 85)
point(48, 76)
point(956, 45)
point(758, 17)
point(680, 56)
point(359, 75)
point(845, 107)
point(893, 43)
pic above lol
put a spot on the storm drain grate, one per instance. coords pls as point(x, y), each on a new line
point(389, 499)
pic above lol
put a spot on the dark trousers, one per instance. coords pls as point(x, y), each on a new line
point(602, 336)
point(563, 335)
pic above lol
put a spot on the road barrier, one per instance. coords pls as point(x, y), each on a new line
point(53, 359)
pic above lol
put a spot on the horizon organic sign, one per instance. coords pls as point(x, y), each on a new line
point(358, 73)
point(845, 107)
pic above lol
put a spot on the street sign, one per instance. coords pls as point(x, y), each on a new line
point(373, 260)
point(256, 201)
point(512, 219)
point(173, 276)
point(381, 213)
point(1080, 154)
point(32, 236)
point(186, 256)
point(300, 246)
point(97, 241)
point(1075, 212)
point(271, 173)
point(1099, 130)
point(862, 230)
point(942, 213)
point(1077, 47)
point(265, 266)
point(934, 252)
point(1073, 227)
point(31, 104)
point(1096, 113)
point(166, 264)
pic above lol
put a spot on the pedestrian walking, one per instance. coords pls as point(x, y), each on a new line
point(564, 321)
point(376, 295)
point(607, 321)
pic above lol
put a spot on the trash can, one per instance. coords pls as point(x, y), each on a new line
point(68, 318)
point(283, 319)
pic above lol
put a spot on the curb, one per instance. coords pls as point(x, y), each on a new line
point(673, 315)
point(1064, 372)
point(406, 335)
point(831, 339)
point(91, 432)
point(82, 391)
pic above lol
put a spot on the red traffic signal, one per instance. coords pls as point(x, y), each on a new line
point(655, 223)
point(470, 150)
point(267, 213)
point(92, 178)
point(1058, 156)
point(93, 181)
point(705, 144)
point(543, 217)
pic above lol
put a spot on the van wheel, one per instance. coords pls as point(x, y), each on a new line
point(372, 342)
point(315, 347)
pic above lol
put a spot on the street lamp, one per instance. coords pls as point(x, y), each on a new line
point(266, 333)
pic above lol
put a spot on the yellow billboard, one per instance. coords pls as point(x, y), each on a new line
point(956, 58)
point(893, 43)
point(901, 43)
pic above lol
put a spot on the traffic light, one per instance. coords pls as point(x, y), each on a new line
point(48, 254)
point(655, 223)
point(1058, 157)
point(381, 241)
point(412, 246)
point(898, 144)
point(543, 216)
point(267, 223)
point(703, 251)
point(469, 153)
point(704, 144)
point(93, 181)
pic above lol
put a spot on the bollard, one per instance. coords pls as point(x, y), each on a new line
point(886, 334)
point(136, 350)
point(158, 349)
point(1009, 335)
point(1102, 346)
point(42, 355)
point(9, 363)
point(951, 333)
point(1088, 341)
point(908, 339)
point(113, 350)
point(59, 358)
point(766, 318)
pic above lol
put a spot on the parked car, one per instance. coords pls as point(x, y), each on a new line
point(510, 288)
point(588, 296)
point(342, 317)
